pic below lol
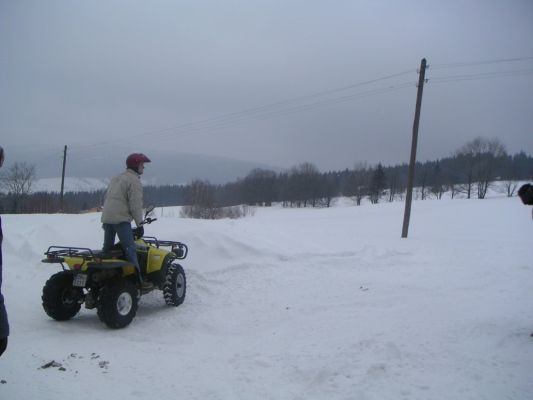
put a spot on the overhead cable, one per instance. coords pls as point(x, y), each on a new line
point(272, 109)
point(475, 63)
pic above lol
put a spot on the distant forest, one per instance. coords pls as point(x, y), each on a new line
point(469, 173)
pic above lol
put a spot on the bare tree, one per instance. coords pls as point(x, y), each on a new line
point(479, 158)
point(357, 183)
point(423, 182)
point(304, 181)
point(259, 187)
point(18, 181)
point(200, 200)
point(491, 153)
point(394, 185)
point(453, 188)
point(509, 188)
point(438, 187)
point(329, 188)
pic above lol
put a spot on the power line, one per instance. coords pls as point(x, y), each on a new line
point(317, 100)
point(271, 109)
point(475, 63)
point(485, 75)
point(283, 112)
point(204, 128)
point(343, 99)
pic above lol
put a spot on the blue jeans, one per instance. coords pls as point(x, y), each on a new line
point(125, 236)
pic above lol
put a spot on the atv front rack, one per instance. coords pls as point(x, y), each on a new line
point(179, 249)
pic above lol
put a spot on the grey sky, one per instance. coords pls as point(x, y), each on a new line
point(139, 75)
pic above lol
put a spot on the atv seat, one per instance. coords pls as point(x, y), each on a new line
point(114, 253)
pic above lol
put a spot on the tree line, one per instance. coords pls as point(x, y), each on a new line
point(469, 172)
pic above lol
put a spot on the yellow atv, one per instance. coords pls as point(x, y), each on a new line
point(111, 284)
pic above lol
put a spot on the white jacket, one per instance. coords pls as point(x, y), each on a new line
point(123, 199)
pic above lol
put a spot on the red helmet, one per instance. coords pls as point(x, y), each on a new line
point(135, 159)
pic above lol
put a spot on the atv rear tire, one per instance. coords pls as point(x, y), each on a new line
point(175, 285)
point(61, 300)
point(117, 304)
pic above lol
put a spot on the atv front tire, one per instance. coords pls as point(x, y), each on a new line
point(117, 304)
point(61, 300)
point(175, 285)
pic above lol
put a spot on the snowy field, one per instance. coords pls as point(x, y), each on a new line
point(71, 184)
point(53, 185)
point(293, 304)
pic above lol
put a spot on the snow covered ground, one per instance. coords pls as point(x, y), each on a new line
point(71, 184)
point(293, 304)
point(53, 185)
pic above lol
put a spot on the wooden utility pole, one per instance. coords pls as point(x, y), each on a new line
point(412, 162)
point(63, 179)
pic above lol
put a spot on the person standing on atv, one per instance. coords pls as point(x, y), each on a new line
point(4, 323)
point(124, 203)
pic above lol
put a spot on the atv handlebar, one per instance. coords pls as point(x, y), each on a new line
point(148, 221)
point(138, 232)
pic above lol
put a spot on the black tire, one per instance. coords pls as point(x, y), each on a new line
point(175, 285)
point(117, 304)
point(61, 300)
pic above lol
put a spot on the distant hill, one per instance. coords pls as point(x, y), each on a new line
point(93, 170)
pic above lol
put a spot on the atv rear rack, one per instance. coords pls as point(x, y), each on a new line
point(180, 249)
point(56, 254)
point(93, 258)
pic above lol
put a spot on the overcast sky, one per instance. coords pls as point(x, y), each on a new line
point(279, 82)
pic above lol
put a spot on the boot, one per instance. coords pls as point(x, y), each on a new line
point(146, 285)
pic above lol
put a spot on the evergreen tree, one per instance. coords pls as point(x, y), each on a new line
point(377, 184)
